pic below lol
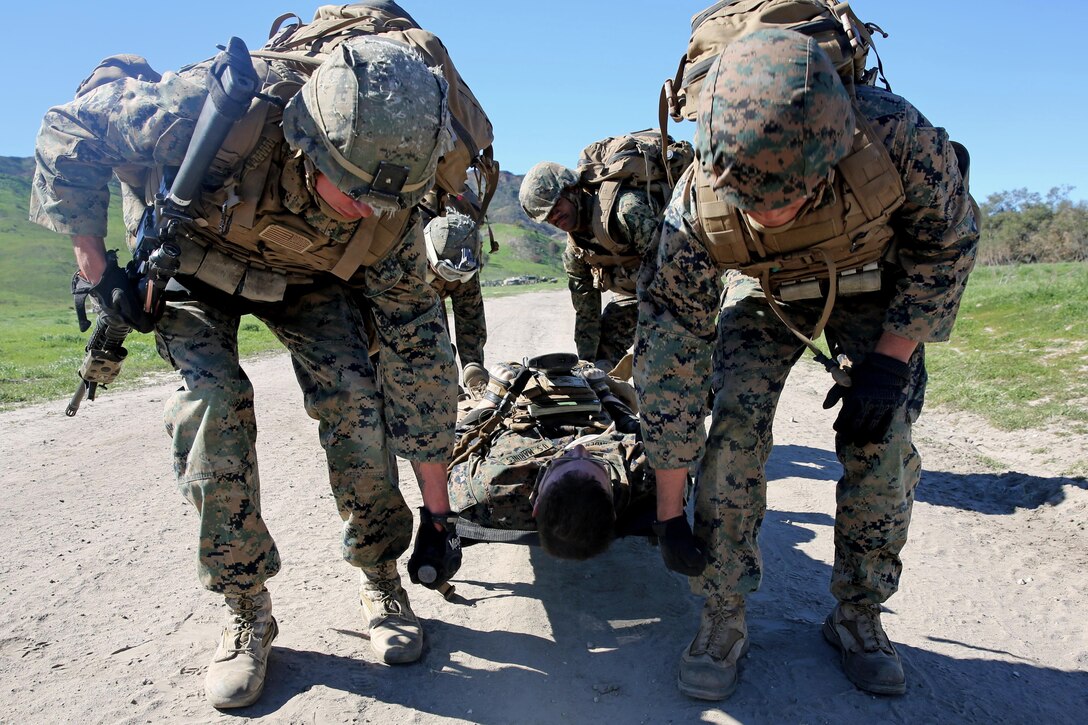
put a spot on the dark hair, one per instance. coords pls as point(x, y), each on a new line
point(574, 517)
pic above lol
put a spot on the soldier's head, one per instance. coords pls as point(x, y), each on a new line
point(773, 120)
point(544, 195)
point(453, 246)
point(373, 120)
point(573, 506)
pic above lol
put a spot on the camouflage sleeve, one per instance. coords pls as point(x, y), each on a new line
point(637, 223)
point(418, 378)
point(469, 321)
point(936, 228)
point(124, 124)
point(679, 291)
point(586, 298)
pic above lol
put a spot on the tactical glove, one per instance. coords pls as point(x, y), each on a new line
point(680, 549)
point(436, 555)
point(877, 392)
point(118, 302)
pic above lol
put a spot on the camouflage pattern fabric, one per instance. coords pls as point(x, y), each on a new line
point(470, 325)
point(347, 120)
point(681, 348)
point(767, 144)
point(541, 187)
point(752, 357)
point(493, 490)
point(608, 334)
point(132, 127)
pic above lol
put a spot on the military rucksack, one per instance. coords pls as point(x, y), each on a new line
point(834, 25)
point(636, 160)
point(305, 45)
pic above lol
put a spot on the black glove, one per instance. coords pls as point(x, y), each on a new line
point(118, 300)
point(436, 555)
point(680, 549)
point(877, 392)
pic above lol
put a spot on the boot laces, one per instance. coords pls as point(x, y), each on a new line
point(385, 591)
point(243, 621)
point(866, 619)
point(719, 635)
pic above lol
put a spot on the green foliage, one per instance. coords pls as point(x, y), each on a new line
point(1019, 351)
point(1023, 227)
point(521, 252)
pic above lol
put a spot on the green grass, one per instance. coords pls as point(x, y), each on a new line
point(1019, 352)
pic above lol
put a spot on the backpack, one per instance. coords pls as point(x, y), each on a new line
point(644, 160)
point(305, 45)
point(834, 25)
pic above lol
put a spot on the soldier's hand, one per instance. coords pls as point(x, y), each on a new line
point(680, 549)
point(436, 555)
point(877, 392)
point(118, 302)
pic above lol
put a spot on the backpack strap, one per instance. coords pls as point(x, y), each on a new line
point(373, 238)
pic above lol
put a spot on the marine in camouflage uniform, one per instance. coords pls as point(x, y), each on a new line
point(552, 193)
point(497, 486)
point(134, 128)
point(693, 339)
point(454, 262)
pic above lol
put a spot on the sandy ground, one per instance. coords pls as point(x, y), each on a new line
point(104, 621)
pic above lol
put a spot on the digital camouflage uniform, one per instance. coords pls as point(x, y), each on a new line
point(608, 334)
point(693, 339)
point(493, 490)
point(470, 326)
point(405, 408)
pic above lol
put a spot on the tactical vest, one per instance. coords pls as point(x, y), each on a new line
point(847, 234)
point(242, 240)
point(616, 270)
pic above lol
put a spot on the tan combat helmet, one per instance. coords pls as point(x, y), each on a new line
point(453, 246)
point(773, 120)
point(542, 187)
point(374, 119)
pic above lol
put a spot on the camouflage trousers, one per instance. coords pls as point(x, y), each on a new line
point(618, 322)
point(211, 422)
point(754, 354)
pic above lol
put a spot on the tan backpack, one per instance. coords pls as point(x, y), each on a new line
point(834, 25)
point(636, 160)
point(306, 45)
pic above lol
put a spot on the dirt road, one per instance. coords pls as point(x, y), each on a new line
point(104, 621)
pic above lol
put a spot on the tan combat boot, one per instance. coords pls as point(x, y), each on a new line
point(868, 657)
point(709, 666)
point(395, 632)
point(236, 673)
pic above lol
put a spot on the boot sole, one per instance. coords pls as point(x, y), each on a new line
point(712, 695)
point(875, 688)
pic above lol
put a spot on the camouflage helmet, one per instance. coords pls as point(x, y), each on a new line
point(773, 120)
point(375, 120)
point(453, 246)
point(541, 187)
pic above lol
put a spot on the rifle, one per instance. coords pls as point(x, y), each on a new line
point(232, 84)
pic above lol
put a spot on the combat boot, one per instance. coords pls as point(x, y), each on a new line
point(236, 673)
point(868, 657)
point(710, 664)
point(395, 633)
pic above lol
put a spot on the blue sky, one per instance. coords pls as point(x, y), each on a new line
point(553, 76)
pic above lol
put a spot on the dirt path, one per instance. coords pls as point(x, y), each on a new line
point(104, 621)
